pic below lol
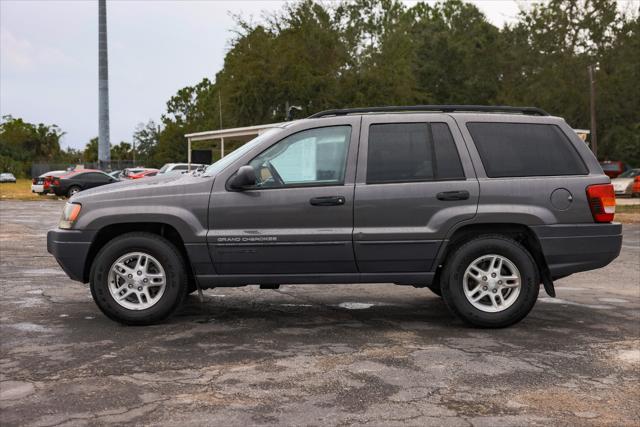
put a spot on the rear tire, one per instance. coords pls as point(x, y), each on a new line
point(74, 189)
point(116, 273)
point(483, 302)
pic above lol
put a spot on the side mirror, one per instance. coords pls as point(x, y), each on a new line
point(245, 177)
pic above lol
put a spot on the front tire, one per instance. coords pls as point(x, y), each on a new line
point(491, 282)
point(138, 279)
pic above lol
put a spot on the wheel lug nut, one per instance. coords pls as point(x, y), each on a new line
point(484, 288)
point(130, 286)
point(499, 282)
point(484, 278)
point(139, 273)
point(145, 280)
point(493, 274)
point(130, 276)
point(139, 288)
point(495, 290)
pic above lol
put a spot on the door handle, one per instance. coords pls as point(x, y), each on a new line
point(453, 195)
point(327, 201)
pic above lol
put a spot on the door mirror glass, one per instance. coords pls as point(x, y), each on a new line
point(245, 177)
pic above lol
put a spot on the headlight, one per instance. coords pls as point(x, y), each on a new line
point(69, 215)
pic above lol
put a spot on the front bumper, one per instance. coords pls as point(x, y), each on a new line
point(569, 249)
point(71, 249)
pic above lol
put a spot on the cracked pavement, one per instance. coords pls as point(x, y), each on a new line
point(310, 355)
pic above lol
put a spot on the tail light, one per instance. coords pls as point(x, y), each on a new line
point(602, 201)
point(55, 181)
point(34, 181)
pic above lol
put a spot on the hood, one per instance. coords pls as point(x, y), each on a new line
point(154, 186)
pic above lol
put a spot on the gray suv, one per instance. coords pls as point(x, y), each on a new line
point(482, 205)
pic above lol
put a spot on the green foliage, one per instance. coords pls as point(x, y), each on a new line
point(383, 52)
point(22, 142)
point(321, 55)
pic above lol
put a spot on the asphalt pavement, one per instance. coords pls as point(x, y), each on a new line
point(311, 354)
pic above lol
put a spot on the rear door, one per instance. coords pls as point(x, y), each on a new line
point(415, 181)
point(298, 219)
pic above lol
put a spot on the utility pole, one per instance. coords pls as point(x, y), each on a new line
point(592, 88)
point(104, 146)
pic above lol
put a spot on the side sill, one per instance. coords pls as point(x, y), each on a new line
point(231, 280)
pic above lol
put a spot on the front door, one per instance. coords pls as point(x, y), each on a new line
point(415, 181)
point(298, 218)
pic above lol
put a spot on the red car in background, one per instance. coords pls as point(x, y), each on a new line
point(613, 168)
point(137, 173)
point(635, 188)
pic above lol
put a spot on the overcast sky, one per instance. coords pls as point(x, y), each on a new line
point(49, 57)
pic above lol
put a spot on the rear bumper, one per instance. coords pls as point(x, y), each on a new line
point(569, 249)
point(70, 248)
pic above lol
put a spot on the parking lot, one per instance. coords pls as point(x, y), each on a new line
point(311, 355)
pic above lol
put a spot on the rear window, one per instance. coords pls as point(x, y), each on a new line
point(405, 152)
point(525, 149)
point(610, 167)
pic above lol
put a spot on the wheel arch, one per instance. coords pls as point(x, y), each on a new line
point(519, 232)
point(111, 231)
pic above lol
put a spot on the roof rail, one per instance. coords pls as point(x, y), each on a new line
point(530, 111)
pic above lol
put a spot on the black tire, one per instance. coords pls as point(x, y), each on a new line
point(456, 265)
point(73, 190)
point(158, 247)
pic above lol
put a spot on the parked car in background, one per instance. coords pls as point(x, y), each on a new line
point(180, 167)
point(116, 174)
point(424, 196)
point(635, 188)
point(613, 168)
point(74, 182)
point(126, 173)
point(137, 173)
point(40, 185)
point(623, 184)
point(7, 177)
point(143, 174)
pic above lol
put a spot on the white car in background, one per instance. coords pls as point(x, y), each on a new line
point(623, 183)
point(179, 168)
point(39, 186)
point(7, 177)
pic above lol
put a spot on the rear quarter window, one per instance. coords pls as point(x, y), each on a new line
point(525, 149)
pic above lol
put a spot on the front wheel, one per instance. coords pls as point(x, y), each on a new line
point(138, 279)
point(490, 281)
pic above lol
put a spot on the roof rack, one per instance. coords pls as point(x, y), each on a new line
point(530, 111)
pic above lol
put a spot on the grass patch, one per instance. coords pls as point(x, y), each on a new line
point(21, 190)
point(628, 209)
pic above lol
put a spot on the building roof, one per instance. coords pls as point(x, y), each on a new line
point(231, 133)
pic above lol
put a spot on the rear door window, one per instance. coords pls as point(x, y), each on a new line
point(525, 149)
point(405, 152)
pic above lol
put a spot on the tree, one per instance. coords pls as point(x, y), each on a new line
point(382, 52)
point(90, 153)
point(22, 143)
point(146, 137)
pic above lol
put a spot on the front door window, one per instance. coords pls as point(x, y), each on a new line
point(314, 157)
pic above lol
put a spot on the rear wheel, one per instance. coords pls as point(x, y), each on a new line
point(490, 281)
point(74, 189)
point(138, 279)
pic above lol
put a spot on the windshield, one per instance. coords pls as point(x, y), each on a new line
point(234, 155)
point(164, 168)
point(632, 173)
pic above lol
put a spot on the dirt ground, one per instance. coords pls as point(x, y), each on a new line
point(311, 355)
